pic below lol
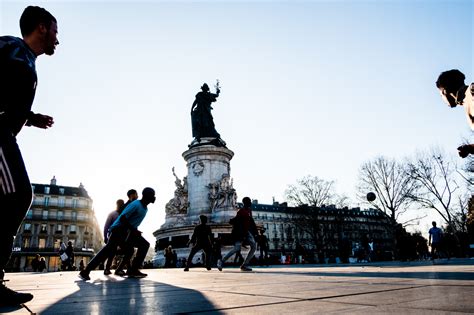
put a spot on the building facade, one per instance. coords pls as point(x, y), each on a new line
point(58, 214)
point(287, 229)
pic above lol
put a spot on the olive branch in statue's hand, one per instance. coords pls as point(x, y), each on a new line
point(218, 87)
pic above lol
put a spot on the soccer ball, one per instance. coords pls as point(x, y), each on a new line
point(371, 196)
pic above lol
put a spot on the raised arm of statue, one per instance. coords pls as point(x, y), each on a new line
point(218, 88)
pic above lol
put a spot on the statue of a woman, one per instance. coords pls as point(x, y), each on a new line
point(201, 117)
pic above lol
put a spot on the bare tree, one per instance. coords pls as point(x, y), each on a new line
point(390, 182)
point(309, 194)
point(437, 181)
point(311, 191)
point(306, 222)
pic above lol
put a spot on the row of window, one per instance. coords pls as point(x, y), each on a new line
point(330, 218)
point(57, 228)
point(42, 243)
point(47, 190)
point(58, 215)
point(60, 202)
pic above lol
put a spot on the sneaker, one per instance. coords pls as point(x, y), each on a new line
point(119, 273)
point(209, 268)
point(186, 269)
point(136, 274)
point(9, 297)
point(245, 268)
point(219, 264)
point(84, 275)
point(107, 272)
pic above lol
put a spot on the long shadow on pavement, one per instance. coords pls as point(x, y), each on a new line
point(130, 296)
point(441, 275)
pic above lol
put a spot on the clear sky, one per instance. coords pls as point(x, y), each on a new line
point(308, 87)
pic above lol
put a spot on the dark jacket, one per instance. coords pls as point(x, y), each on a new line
point(17, 83)
point(202, 236)
point(243, 223)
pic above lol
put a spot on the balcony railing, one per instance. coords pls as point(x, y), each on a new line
point(55, 204)
point(40, 217)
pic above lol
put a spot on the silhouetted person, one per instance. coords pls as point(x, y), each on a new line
point(201, 117)
point(124, 250)
point(262, 242)
point(111, 219)
point(243, 230)
point(168, 253)
point(17, 91)
point(70, 255)
point(201, 240)
point(63, 256)
point(456, 93)
point(35, 263)
point(42, 264)
point(365, 246)
point(435, 239)
point(125, 233)
point(132, 196)
point(174, 263)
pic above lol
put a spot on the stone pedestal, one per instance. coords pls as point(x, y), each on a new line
point(209, 182)
point(207, 189)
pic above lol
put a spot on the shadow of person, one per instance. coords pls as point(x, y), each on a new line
point(130, 296)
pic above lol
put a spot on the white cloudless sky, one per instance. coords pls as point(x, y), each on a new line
point(308, 87)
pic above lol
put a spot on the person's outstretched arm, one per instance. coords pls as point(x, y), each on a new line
point(465, 150)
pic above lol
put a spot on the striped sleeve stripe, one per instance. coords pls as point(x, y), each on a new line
point(7, 185)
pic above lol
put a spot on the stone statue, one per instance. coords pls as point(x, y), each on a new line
point(201, 117)
point(222, 193)
point(179, 203)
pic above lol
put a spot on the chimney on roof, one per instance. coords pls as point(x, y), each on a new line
point(81, 186)
point(53, 181)
point(255, 202)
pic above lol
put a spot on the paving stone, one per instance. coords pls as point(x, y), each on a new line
point(385, 288)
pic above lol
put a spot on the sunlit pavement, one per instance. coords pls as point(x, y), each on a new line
point(400, 288)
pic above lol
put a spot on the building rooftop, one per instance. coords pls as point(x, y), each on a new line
point(60, 190)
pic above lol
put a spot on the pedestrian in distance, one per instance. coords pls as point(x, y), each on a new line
point(124, 232)
point(42, 264)
point(110, 220)
point(18, 80)
point(70, 254)
point(35, 263)
point(201, 240)
point(435, 236)
point(456, 93)
point(174, 262)
point(262, 242)
point(168, 253)
point(243, 230)
point(63, 257)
